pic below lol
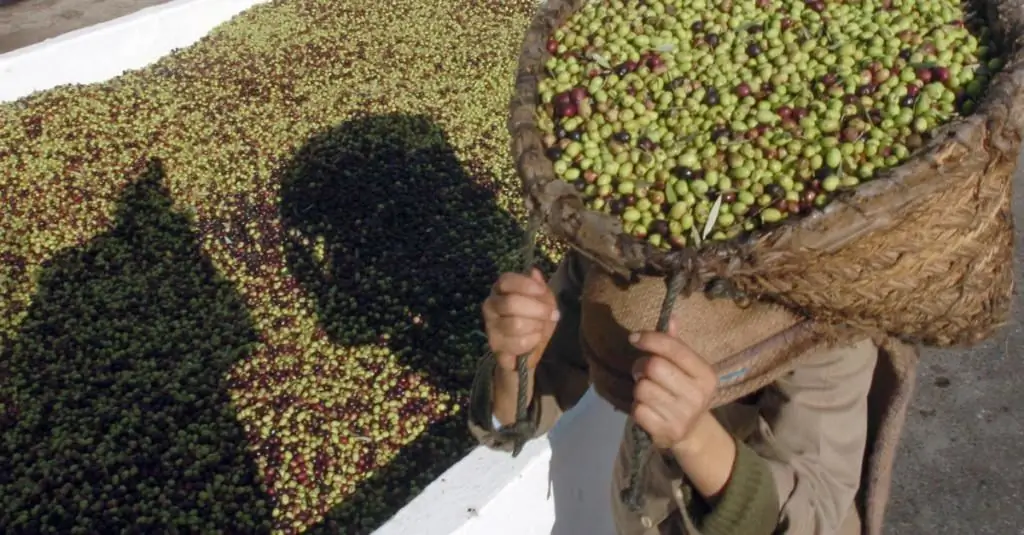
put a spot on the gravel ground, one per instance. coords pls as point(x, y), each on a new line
point(961, 468)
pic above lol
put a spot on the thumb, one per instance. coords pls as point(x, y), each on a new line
point(673, 327)
point(548, 297)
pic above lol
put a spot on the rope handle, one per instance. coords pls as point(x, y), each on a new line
point(632, 496)
point(520, 431)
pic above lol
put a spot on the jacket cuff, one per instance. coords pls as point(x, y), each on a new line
point(749, 504)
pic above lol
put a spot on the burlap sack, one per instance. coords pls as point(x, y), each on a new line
point(749, 348)
point(922, 253)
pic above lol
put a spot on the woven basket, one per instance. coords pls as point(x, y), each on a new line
point(922, 253)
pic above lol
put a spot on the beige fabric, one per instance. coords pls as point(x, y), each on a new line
point(852, 525)
point(812, 430)
point(715, 328)
point(810, 425)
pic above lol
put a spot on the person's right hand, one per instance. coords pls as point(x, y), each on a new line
point(520, 316)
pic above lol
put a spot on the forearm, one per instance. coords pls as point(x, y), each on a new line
point(707, 457)
point(735, 483)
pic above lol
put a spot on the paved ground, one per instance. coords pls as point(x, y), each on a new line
point(23, 22)
point(961, 468)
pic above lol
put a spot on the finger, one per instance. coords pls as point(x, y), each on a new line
point(521, 306)
point(672, 349)
point(548, 296)
point(536, 275)
point(649, 419)
point(517, 326)
point(649, 393)
point(667, 375)
point(496, 307)
point(639, 367)
point(507, 349)
point(515, 283)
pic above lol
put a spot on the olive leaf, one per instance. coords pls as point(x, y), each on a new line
point(670, 195)
point(600, 60)
point(712, 218)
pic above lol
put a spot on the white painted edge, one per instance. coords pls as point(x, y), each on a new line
point(464, 494)
point(559, 485)
point(103, 51)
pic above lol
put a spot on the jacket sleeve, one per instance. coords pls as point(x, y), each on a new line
point(798, 474)
point(747, 506)
point(561, 377)
point(813, 435)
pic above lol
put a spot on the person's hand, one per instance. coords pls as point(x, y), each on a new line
point(674, 387)
point(519, 317)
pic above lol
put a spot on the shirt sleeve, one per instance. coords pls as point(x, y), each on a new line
point(562, 375)
point(812, 434)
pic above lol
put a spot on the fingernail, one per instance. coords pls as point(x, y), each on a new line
point(555, 315)
point(637, 376)
point(634, 338)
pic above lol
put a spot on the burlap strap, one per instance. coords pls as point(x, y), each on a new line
point(749, 348)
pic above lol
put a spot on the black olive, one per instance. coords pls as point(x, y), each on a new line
point(683, 172)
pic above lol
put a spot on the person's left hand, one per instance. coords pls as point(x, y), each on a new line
point(674, 387)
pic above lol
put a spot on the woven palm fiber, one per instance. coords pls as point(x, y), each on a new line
point(923, 252)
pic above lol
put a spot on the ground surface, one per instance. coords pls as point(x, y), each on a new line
point(23, 22)
point(961, 465)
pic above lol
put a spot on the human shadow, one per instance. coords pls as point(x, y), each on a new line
point(114, 414)
point(398, 245)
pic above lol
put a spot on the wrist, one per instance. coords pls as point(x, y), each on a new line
point(707, 456)
point(701, 438)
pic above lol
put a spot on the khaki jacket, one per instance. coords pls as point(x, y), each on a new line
point(803, 437)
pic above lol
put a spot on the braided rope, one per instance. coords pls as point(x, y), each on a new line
point(520, 431)
point(632, 495)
